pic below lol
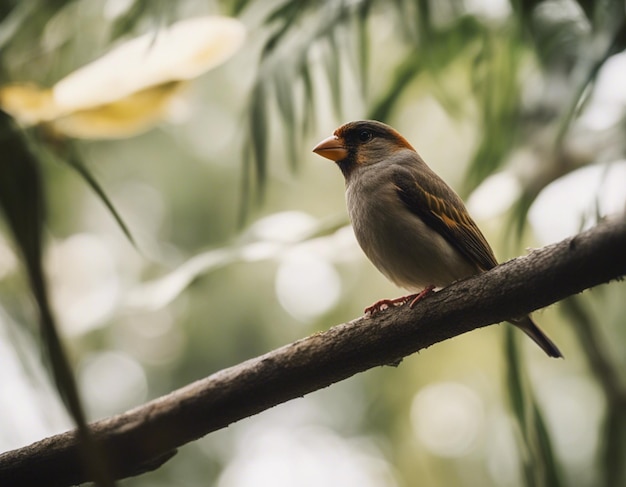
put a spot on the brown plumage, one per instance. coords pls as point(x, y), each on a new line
point(412, 226)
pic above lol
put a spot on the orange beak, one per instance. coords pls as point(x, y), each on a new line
point(331, 148)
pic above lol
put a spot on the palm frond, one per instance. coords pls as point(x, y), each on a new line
point(285, 76)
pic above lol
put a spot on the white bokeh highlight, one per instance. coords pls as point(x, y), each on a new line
point(112, 382)
point(307, 285)
point(84, 282)
point(31, 408)
point(571, 203)
point(447, 419)
point(494, 196)
point(292, 448)
point(607, 104)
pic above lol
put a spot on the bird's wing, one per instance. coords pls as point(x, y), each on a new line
point(443, 210)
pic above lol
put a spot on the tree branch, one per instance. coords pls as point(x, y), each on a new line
point(147, 436)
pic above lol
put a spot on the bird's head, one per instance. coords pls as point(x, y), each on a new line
point(361, 143)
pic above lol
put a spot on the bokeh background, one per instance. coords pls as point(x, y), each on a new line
point(242, 243)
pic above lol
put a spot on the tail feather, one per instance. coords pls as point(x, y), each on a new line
point(539, 337)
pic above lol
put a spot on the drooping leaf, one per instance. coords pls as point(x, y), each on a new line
point(158, 10)
point(246, 186)
point(259, 131)
point(610, 27)
point(238, 6)
point(308, 109)
point(539, 465)
point(12, 19)
point(22, 203)
point(77, 164)
point(430, 56)
point(332, 63)
point(284, 66)
point(406, 71)
point(285, 15)
point(497, 90)
point(517, 401)
point(551, 472)
point(21, 192)
point(614, 432)
point(609, 378)
point(363, 46)
point(285, 98)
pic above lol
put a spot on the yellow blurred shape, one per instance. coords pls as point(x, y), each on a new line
point(28, 103)
point(129, 89)
point(123, 118)
point(183, 51)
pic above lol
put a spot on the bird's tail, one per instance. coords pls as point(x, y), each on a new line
point(538, 336)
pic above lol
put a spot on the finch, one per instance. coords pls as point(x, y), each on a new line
point(410, 224)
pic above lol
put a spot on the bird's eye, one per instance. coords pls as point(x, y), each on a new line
point(365, 136)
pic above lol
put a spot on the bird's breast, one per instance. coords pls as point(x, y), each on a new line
point(398, 242)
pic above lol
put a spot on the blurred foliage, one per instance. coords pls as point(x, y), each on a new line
point(539, 462)
point(22, 202)
point(155, 284)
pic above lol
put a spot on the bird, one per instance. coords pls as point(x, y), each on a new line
point(411, 225)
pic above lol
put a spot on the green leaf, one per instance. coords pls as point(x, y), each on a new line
point(538, 462)
point(308, 116)
point(259, 131)
point(423, 22)
point(407, 71)
point(159, 11)
point(284, 91)
point(516, 397)
point(286, 67)
point(76, 163)
point(608, 38)
point(363, 46)
point(239, 6)
point(609, 378)
point(332, 63)
point(612, 452)
point(22, 202)
point(497, 90)
point(286, 15)
point(246, 186)
point(21, 192)
point(551, 472)
point(286, 12)
point(12, 19)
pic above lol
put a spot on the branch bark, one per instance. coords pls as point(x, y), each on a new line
point(145, 437)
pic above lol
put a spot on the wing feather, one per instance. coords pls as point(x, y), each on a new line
point(446, 214)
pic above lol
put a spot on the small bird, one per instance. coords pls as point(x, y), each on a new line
point(412, 226)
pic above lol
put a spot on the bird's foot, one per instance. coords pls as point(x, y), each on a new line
point(421, 295)
point(383, 304)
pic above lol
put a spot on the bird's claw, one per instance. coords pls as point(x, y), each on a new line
point(421, 295)
point(384, 304)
